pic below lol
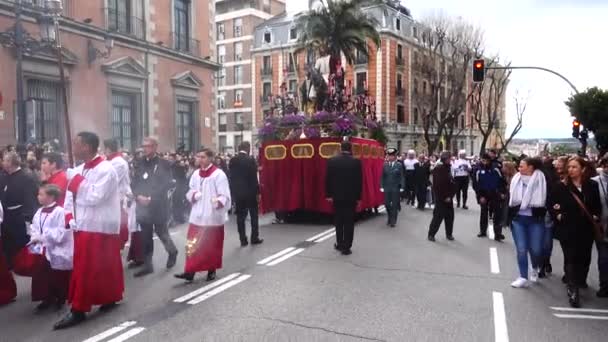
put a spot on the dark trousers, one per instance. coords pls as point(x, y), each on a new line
point(391, 202)
point(179, 203)
point(443, 212)
point(244, 207)
point(147, 239)
point(410, 187)
point(491, 206)
point(463, 189)
point(577, 259)
point(421, 195)
point(602, 263)
point(344, 217)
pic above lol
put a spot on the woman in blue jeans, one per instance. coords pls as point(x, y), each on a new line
point(527, 205)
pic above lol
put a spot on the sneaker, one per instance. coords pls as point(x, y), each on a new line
point(520, 283)
point(534, 275)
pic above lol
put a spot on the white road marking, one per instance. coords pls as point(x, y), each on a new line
point(110, 332)
point(491, 231)
point(285, 257)
point(500, 318)
point(325, 237)
point(579, 310)
point(601, 318)
point(219, 289)
point(320, 235)
point(206, 288)
point(494, 266)
point(127, 335)
point(276, 255)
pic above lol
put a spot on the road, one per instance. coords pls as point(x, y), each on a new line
point(396, 286)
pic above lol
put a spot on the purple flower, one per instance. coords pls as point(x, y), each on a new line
point(323, 117)
point(292, 120)
point(312, 132)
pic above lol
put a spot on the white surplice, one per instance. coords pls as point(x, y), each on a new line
point(58, 241)
point(211, 189)
point(124, 180)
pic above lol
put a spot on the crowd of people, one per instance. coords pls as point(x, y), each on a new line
point(67, 227)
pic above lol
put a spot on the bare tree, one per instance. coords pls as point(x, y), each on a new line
point(487, 101)
point(520, 108)
point(442, 64)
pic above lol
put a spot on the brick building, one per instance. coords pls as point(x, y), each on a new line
point(158, 78)
point(235, 22)
point(389, 75)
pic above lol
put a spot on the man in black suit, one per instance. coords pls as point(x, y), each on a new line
point(245, 189)
point(343, 187)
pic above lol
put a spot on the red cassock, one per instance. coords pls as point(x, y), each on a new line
point(8, 289)
point(204, 248)
point(50, 284)
point(124, 228)
point(61, 180)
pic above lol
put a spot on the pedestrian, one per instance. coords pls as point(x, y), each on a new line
point(602, 245)
point(51, 235)
point(18, 191)
point(527, 206)
point(245, 190)
point(114, 156)
point(461, 169)
point(210, 197)
point(444, 189)
point(422, 176)
point(97, 277)
point(409, 164)
point(577, 210)
point(52, 170)
point(179, 171)
point(552, 182)
point(392, 184)
point(490, 188)
point(8, 288)
point(343, 188)
point(151, 184)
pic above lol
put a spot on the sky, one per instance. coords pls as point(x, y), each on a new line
point(568, 36)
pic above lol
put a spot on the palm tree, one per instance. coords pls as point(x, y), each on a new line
point(339, 27)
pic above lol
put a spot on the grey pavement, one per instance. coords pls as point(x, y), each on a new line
point(396, 286)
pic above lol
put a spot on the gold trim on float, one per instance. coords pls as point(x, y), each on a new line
point(302, 148)
point(365, 151)
point(273, 149)
point(334, 149)
point(357, 150)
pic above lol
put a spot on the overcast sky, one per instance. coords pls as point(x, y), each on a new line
point(568, 36)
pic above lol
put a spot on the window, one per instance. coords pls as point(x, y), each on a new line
point(400, 114)
point(121, 19)
point(291, 63)
point(310, 57)
point(399, 82)
point(415, 86)
point(399, 52)
point(237, 141)
point(384, 18)
point(221, 54)
point(238, 119)
point(267, 37)
point(238, 98)
point(182, 25)
point(185, 125)
point(361, 80)
point(123, 117)
point(293, 86)
point(415, 116)
point(238, 74)
point(293, 33)
point(221, 100)
point(223, 143)
point(238, 51)
point(222, 122)
point(424, 87)
point(462, 122)
point(266, 91)
point(221, 78)
point(398, 24)
point(415, 32)
point(238, 27)
point(221, 31)
point(266, 65)
point(47, 111)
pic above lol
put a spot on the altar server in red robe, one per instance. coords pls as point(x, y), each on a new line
point(210, 197)
point(52, 173)
point(97, 277)
point(8, 288)
point(114, 156)
point(50, 235)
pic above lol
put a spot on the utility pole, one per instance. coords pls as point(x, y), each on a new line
point(19, 45)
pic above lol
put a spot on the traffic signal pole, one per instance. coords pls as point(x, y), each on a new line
point(536, 68)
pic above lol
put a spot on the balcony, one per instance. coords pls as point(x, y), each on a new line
point(399, 92)
point(265, 100)
point(266, 72)
point(399, 61)
point(183, 43)
point(292, 68)
point(122, 23)
point(361, 60)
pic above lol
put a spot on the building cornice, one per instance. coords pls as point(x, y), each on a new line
point(242, 13)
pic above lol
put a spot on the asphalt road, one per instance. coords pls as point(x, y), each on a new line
point(396, 286)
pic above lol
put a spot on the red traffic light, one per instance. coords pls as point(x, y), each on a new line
point(576, 123)
point(479, 70)
point(479, 65)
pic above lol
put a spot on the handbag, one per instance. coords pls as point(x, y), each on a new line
point(598, 230)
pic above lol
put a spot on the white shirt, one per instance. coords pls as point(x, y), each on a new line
point(461, 168)
point(410, 164)
point(124, 181)
point(210, 189)
point(56, 238)
point(97, 204)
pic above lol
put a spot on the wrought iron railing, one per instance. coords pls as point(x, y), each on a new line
point(185, 44)
point(121, 22)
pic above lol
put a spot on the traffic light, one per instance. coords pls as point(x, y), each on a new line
point(576, 129)
point(479, 70)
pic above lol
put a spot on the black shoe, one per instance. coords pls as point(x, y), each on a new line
point(431, 238)
point(542, 274)
point(548, 268)
point(71, 319)
point(482, 235)
point(393, 225)
point(564, 279)
point(338, 248)
point(244, 243)
point(450, 237)
point(43, 306)
point(465, 207)
point(583, 286)
point(458, 205)
point(602, 293)
point(574, 298)
point(211, 276)
point(108, 307)
point(256, 241)
point(189, 277)
point(347, 252)
point(171, 260)
point(499, 238)
point(134, 264)
point(144, 271)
